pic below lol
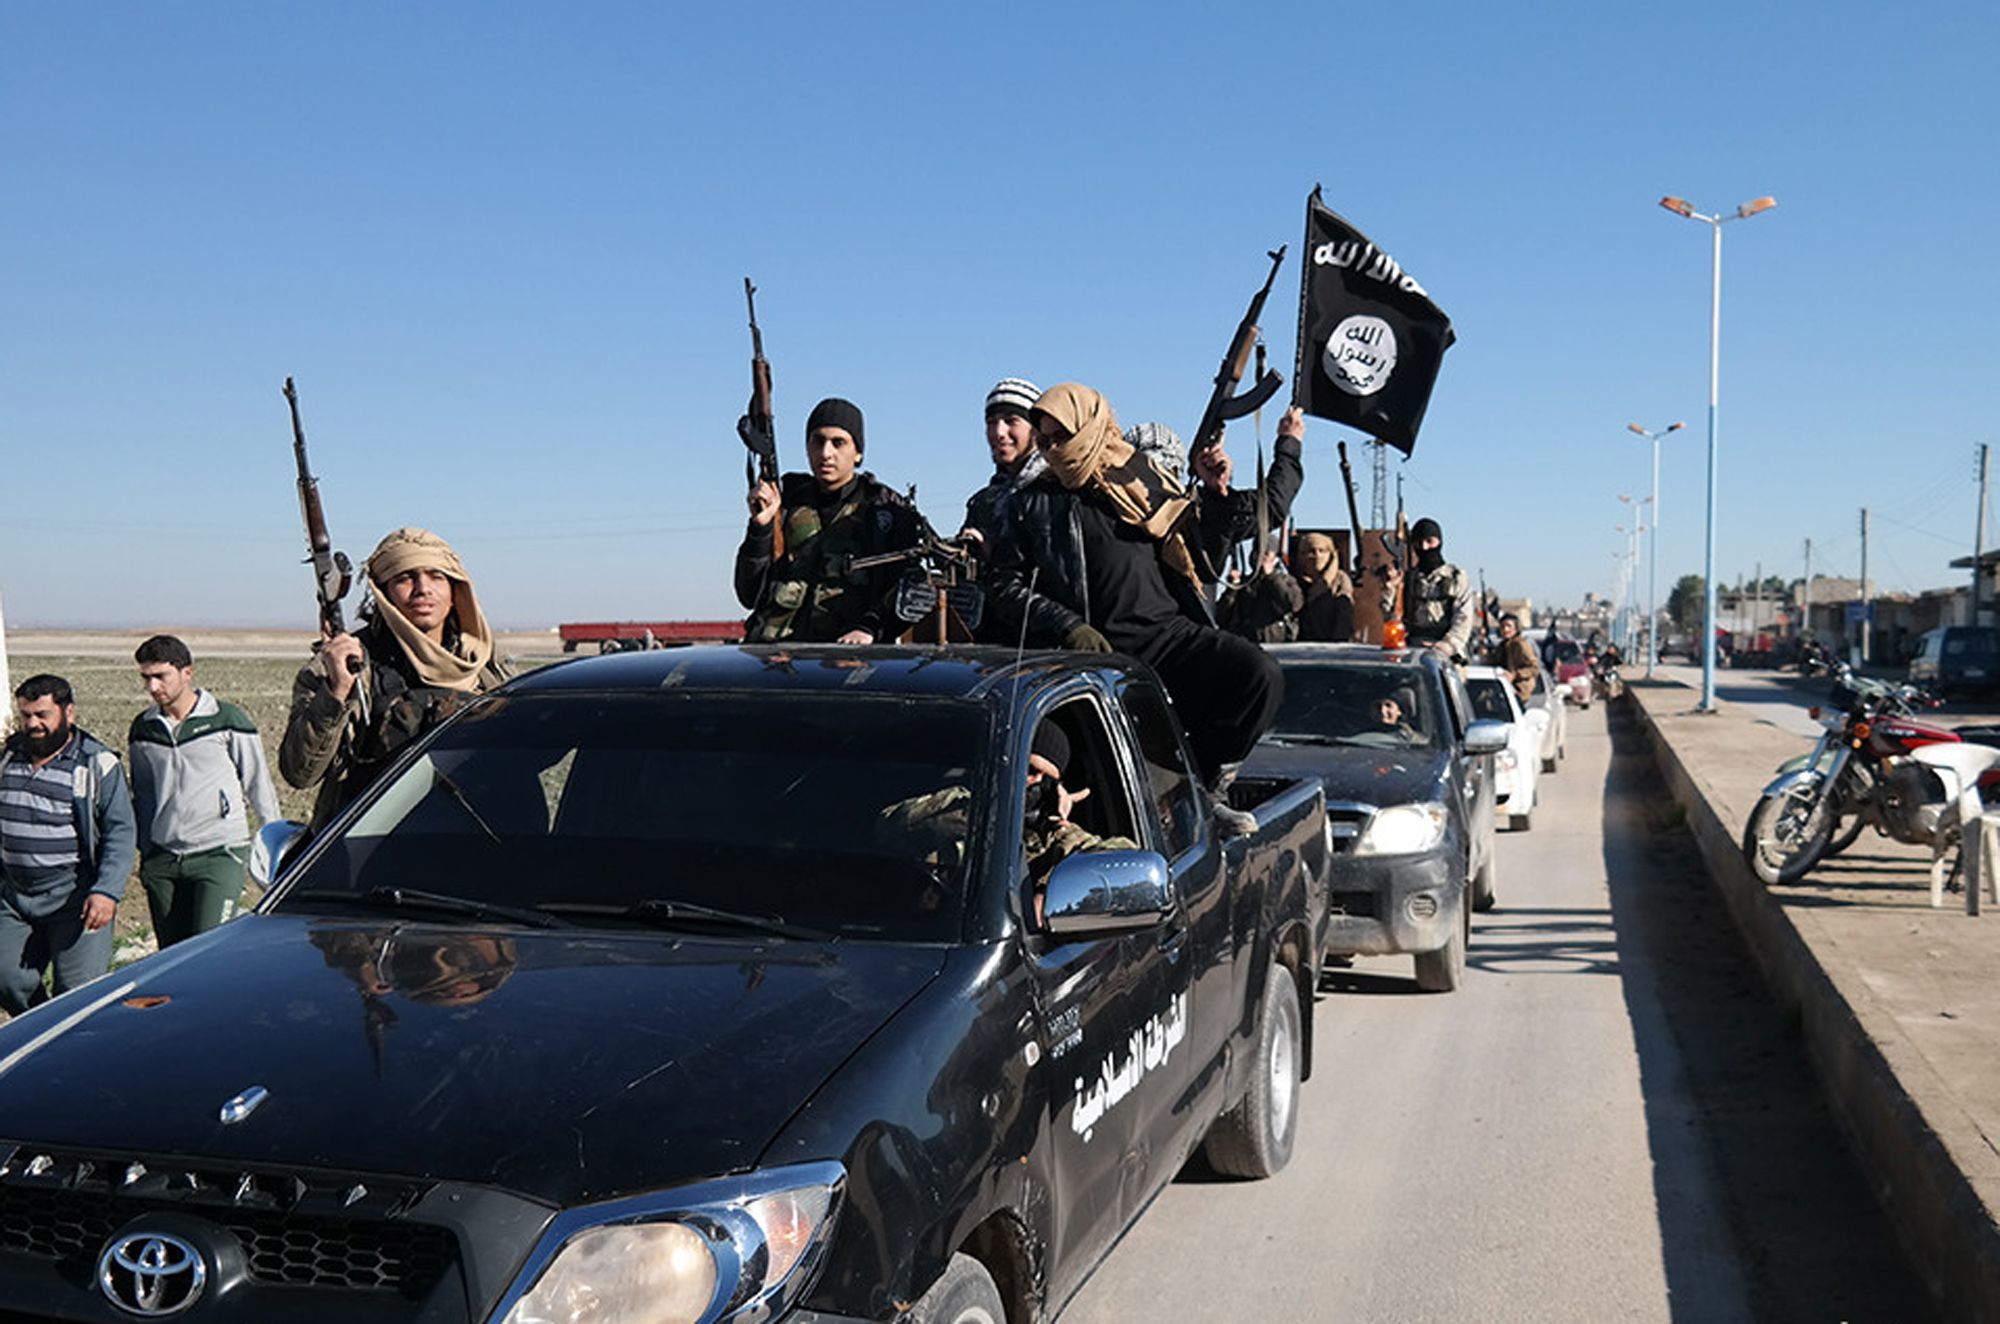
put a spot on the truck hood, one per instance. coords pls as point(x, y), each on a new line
point(567, 1065)
point(1364, 776)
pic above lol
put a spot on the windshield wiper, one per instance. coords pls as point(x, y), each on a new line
point(662, 913)
point(408, 898)
point(1299, 738)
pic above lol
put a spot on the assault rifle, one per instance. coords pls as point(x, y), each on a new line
point(1223, 406)
point(757, 427)
point(333, 573)
point(1353, 510)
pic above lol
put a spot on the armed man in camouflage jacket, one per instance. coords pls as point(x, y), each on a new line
point(1437, 605)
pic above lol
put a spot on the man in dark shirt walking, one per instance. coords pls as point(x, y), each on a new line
point(67, 838)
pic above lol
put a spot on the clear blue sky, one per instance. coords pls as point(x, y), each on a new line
point(501, 246)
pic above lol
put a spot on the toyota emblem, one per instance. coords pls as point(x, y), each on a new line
point(151, 1274)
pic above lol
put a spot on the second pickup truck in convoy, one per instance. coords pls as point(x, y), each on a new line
point(1409, 778)
point(720, 984)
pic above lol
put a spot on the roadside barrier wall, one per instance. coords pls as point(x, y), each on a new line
point(1934, 1167)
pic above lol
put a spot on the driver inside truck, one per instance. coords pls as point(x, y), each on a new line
point(1392, 712)
point(936, 825)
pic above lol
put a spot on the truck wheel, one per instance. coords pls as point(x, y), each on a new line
point(1443, 970)
point(1517, 822)
point(963, 1294)
point(1484, 897)
point(1254, 1138)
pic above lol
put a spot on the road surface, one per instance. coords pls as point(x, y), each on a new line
point(1609, 1121)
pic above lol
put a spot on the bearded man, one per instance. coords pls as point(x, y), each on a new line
point(424, 649)
point(1097, 556)
point(67, 839)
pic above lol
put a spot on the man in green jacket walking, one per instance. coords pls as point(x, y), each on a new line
point(198, 768)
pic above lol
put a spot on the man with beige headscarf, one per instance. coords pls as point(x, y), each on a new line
point(423, 650)
point(1327, 614)
point(1097, 554)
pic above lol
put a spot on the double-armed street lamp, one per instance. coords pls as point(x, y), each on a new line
point(1681, 207)
point(1653, 549)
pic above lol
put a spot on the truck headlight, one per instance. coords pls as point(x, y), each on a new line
point(1402, 830)
point(747, 1246)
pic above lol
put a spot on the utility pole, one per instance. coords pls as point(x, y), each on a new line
point(1757, 604)
point(1378, 496)
point(1978, 540)
point(1805, 612)
point(1867, 599)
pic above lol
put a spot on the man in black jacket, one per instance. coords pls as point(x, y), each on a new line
point(830, 517)
point(1096, 555)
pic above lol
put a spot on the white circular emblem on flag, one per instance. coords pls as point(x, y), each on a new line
point(1360, 355)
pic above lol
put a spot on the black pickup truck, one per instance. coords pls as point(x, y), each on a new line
point(705, 985)
point(1408, 772)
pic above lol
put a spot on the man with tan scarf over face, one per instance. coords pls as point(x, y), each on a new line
point(424, 648)
point(1327, 614)
point(1096, 555)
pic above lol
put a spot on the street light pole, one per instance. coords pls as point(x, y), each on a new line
point(1653, 549)
point(1681, 207)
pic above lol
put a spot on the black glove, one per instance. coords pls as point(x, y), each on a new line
point(1084, 638)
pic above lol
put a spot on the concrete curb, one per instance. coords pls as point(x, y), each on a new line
point(1928, 1159)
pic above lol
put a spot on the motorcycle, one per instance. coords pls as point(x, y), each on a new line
point(1860, 774)
point(1605, 682)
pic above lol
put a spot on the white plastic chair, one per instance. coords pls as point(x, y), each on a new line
point(1959, 767)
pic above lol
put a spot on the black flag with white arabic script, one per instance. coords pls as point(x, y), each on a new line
point(1370, 340)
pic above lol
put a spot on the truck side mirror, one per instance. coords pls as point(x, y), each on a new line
point(274, 842)
point(1486, 736)
point(1103, 892)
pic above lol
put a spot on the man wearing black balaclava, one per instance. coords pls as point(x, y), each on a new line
point(830, 517)
point(1437, 606)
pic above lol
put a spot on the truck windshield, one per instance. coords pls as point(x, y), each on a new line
point(1384, 707)
point(846, 815)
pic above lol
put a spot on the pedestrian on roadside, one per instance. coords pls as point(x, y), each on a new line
point(423, 651)
point(66, 846)
point(198, 770)
point(1326, 615)
point(831, 517)
point(1096, 557)
point(1437, 609)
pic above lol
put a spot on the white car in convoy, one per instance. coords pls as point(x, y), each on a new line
point(1548, 702)
point(1516, 771)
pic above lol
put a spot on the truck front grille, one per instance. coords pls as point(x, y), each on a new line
point(64, 1208)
